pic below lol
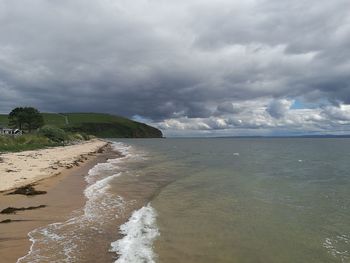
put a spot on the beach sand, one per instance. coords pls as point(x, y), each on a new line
point(64, 190)
point(22, 168)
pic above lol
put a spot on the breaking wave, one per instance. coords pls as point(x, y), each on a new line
point(139, 233)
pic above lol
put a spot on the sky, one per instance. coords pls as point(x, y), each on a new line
point(188, 67)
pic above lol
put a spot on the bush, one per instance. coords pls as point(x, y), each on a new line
point(53, 133)
point(86, 136)
point(75, 137)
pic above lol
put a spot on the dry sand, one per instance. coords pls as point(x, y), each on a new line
point(19, 169)
point(64, 192)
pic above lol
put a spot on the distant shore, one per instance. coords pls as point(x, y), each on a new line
point(54, 179)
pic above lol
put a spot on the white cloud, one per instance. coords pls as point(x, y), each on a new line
point(341, 113)
point(255, 121)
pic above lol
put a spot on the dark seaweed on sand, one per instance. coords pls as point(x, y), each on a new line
point(13, 210)
point(27, 190)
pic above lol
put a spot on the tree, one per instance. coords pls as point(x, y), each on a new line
point(16, 118)
point(27, 118)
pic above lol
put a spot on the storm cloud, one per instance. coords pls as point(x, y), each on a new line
point(190, 67)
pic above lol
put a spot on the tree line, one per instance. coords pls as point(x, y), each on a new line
point(25, 118)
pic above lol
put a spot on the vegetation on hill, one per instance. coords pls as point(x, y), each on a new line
point(101, 125)
point(4, 120)
point(109, 126)
point(62, 128)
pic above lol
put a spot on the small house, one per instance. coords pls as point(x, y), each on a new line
point(8, 131)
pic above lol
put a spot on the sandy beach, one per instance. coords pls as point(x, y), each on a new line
point(23, 168)
point(59, 173)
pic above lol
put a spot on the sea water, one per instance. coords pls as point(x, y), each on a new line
point(210, 200)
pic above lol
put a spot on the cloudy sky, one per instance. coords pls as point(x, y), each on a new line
point(190, 67)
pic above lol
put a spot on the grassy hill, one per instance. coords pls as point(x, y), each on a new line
point(98, 124)
point(3, 120)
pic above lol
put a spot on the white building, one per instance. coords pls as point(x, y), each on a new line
point(8, 131)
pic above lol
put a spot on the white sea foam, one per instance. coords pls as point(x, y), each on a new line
point(64, 244)
point(338, 247)
point(59, 242)
point(139, 233)
point(96, 171)
point(100, 200)
point(122, 148)
point(111, 164)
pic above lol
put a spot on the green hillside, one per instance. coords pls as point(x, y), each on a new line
point(98, 124)
point(3, 120)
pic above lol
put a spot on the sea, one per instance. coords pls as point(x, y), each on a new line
point(220, 200)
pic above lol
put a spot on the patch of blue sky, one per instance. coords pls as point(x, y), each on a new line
point(300, 104)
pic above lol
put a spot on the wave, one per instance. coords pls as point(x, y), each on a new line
point(139, 234)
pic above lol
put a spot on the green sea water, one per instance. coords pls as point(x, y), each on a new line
point(250, 200)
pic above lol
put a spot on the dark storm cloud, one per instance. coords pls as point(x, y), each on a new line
point(165, 60)
point(228, 107)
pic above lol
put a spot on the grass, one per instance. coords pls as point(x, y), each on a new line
point(3, 120)
point(77, 118)
point(61, 119)
point(24, 143)
point(54, 119)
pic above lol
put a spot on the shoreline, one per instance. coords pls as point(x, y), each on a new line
point(64, 189)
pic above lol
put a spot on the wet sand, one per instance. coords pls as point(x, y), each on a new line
point(64, 195)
